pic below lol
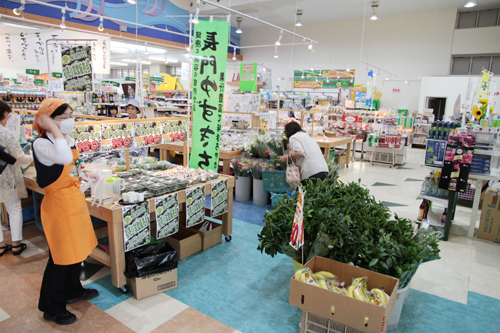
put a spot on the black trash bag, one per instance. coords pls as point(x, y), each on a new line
point(151, 259)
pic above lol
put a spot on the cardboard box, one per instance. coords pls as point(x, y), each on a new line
point(489, 227)
point(341, 161)
point(153, 284)
point(210, 238)
point(187, 242)
point(343, 309)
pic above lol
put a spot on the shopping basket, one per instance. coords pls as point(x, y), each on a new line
point(275, 180)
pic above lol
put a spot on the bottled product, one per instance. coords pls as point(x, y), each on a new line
point(443, 217)
point(422, 211)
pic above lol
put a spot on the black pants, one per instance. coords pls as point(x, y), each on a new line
point(314, 178)
point(60, 283)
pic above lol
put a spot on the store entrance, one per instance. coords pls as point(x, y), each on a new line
point(437, 104)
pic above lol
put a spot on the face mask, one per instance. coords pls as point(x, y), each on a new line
point(66, 126)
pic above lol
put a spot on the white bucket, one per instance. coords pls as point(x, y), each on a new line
point(398, 308)
point(260, 197)
point(243, 188)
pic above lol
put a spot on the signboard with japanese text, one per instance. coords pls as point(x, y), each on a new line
point(87, 138)
point(219, 198)
point(309, 80)
point(324, 78)
point(174, 131)
point(117, 136)
point(248, 77)
point(167, 215)
point(136, 225)
point(77, 68)
point(208, 86)
point(148, 133)
point(195, 205)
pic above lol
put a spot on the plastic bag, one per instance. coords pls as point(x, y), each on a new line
point(151, 259)
point(292, 175)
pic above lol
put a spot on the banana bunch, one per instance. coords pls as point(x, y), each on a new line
point(359, 291)
point(378, 297)
point(323, 279)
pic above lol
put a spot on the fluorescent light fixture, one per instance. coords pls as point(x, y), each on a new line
point(19, 10)
point(116, 63)
point(374, 15)
point(63, 20)
point(101, 26)
point(278, 42)
point(470, 4)
point(239, 20)
point(299, 15)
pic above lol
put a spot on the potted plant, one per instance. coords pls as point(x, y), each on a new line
point(260, 196)
point(243, 179)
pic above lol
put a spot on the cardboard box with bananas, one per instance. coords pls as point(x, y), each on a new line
point(349, 295)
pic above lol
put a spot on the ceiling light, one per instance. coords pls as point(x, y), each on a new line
point(234, 54)
point(299, 15)
point(63, 20)
point(310, 46)
point(132, 2)
point(118, 63)
point(406, 82)
point(146, 52)
point(312, 68)
point(101, 27)
point(387, 77)
point(195, 19)
point(470, 4)
point(264, 69)
point(374, 15)
point(276, 51)
point(19, 10)
point(302, 74)
point(278, 42)
point(239, 20)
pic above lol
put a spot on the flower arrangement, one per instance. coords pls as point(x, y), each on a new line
point(258, 147)
point(257, 167)
point(242, 167)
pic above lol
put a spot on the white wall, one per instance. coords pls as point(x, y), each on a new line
point(411, 45)
point(476, 41)
point(450, 87)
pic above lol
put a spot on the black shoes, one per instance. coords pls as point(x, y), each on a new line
point(88, 294)
point(64, 318)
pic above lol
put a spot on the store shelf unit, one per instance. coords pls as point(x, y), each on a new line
point(420, 134)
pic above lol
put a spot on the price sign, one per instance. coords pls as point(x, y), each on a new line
point(112, 83)
point(87, 138)
point(136, 225)
point(167, 215)
point(147, 133)
point(33, 71)
point(57, 75)
point(396, 90)
point(174, 130)
point(219, 198)
point(130, 78)
point(195, 206)
point(39, 82)
point(117, 136)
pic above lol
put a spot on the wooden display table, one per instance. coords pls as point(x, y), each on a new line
point(329, 143)
point(224, 156)
point(115, 259)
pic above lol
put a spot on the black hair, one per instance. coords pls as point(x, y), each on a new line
point(60, 110)
point(291, 128)
point(113, 107)
point(4, 110)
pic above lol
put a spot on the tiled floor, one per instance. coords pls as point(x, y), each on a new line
point(232, 287)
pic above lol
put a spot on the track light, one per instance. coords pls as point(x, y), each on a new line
point(19, 10)
point(299, 15)
point(278, 42)
point(470, 4)
point(101, 26)
point(387, 77)
point(63, 20)
point(146, 51)
point(374, 15)
point(195, 19)
point(302, 74)
point(234, 54)
point(312, 68)
point(264, 69)
point(310, 46)
point(406, 82)
point(132, 2)
point(276, 51)
point(239, 20)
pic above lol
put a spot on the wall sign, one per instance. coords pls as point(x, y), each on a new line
point(77, 68)
point(167, 215)
point(195, 205)
point(209, 80)
point(396, 90)
point(219, 198)
point(136, 225)
point(248, 77)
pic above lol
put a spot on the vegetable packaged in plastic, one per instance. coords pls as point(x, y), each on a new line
point(151, 259)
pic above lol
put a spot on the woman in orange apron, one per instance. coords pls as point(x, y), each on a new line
point(65, 216)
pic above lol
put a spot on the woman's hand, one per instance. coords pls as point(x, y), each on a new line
point(283, 158)
point(48, 124)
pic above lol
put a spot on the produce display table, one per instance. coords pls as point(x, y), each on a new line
point(328, 143)
point(224, 156)
point(115, 259)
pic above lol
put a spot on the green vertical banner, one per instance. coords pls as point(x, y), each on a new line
point(248, 77)
point(209, 80)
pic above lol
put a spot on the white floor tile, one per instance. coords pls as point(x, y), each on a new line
point(37, 238)
point(32, 249)
point(3, 315)
point(485, 279)
point(147, 314)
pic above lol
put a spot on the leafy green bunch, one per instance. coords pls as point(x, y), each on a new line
point(343, 222)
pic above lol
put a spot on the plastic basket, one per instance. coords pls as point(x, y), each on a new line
point(275, 181)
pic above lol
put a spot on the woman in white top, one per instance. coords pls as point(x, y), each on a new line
point(306, 154)
point(12, 188)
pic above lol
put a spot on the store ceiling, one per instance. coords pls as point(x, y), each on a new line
point(283, 12)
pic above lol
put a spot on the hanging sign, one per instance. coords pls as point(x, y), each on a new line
point(57, 75)
point(117, 136)
point(39, 82)
point(77, 68)
point(309, 80)
point(136, 225)
point(209, 79)
point(130, 78)
point(147, 133)
point(219, 198)
point(112, 83)
point(297, 235)
point(248, 77)
point(167, 215)
point(195, 205)
point(174, 131)
point(33, 71)
point(87, 138)
point(156, 79)
point(339, 78)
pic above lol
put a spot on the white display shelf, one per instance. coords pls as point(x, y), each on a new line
point(441, 201)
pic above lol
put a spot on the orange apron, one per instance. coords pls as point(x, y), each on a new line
point(66, 218)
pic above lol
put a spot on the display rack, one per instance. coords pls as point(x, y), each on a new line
point(382, 154)
point(420, 134)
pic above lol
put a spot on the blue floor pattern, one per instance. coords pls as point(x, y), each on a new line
point(237, 285)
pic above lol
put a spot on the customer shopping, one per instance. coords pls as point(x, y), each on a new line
point(65, 216)
point(12, 188)
point(306, 154)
